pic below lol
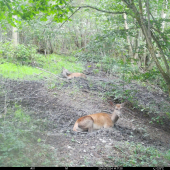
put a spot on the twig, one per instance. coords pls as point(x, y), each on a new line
point(69, 18)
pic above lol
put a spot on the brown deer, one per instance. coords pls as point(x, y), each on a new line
point(69, 75)
point(98, 120)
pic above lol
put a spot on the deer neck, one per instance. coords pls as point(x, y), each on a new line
point(115, 114)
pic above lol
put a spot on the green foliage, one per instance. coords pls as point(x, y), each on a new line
point(18, 146)
point(24, 53)
point(54, 63)
point(7, 50)
point(50, 63)
point(88, 57)
point(139, 155)
point(19, 114)
point(167, 155)
point(152, 76)
point(21, 54)
point(28, 10)
point(95, 71)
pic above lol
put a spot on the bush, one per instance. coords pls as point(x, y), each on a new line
point(21, 54)
point(24, 53)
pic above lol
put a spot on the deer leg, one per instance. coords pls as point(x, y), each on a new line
point(90, 129)
point(86, 123)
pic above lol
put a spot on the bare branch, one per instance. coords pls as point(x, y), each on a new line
point(69, 17)
point(87, 6)
point(48, 72)
point(110, 12)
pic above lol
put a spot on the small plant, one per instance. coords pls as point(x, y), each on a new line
point(98, 65)
point(167, 155)
point(19, 114)
point(95, 71)
point(73, 140)
point(52, 86)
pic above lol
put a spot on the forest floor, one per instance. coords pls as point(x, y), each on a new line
point(63, 104)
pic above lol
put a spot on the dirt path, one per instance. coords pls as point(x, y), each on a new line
point(65, 103)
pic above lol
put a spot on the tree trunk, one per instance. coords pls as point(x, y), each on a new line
point(14, 34)
point(169, 89)
point(128, 38)
point(164, 6)
point(147, 33)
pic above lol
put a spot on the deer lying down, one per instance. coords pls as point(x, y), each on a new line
point(98, 120)
point(69, 75)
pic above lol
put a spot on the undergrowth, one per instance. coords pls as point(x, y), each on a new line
point(20, 146)
point(157, 115)
point(140, 155)
point(54, 63)
point(38, 67)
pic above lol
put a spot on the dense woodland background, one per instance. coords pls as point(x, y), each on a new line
point(129, 31)
point(127, 38)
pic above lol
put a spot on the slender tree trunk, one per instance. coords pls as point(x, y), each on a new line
point(14, 34)
point(128, 38)
point(164, 6)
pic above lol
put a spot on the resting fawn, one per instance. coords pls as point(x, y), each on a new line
point(69, 75)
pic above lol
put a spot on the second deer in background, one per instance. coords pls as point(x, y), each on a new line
point(69, 75)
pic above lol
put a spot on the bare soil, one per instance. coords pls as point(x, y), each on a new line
point(63, 105)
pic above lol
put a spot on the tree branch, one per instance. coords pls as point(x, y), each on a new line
point(69, 17)
point(110, 12)
point(87, 6)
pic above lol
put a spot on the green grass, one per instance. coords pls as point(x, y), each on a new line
point(20, 145)
point(51, 63)
point(132, 154)
point(54, 63)
point(13, 71)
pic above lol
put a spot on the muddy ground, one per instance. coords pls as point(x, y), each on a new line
point(63, 104)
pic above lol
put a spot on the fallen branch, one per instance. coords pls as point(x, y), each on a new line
point(49, 72)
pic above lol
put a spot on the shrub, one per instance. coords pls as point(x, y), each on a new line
point(21, 54)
